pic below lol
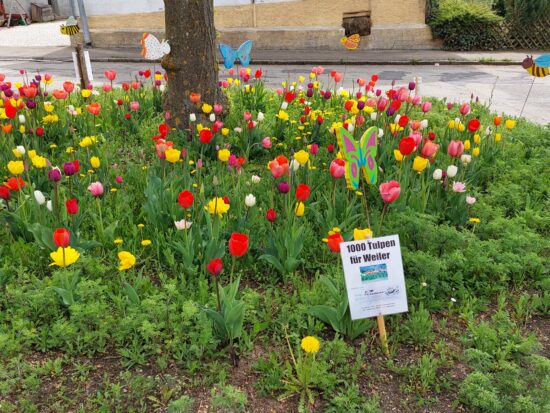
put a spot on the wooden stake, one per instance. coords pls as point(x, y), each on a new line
point(81, 63)
point(383, 335)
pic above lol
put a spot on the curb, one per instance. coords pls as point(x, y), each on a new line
point(411, 62)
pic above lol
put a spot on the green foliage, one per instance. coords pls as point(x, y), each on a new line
point(465, 25)
point(338, 315)
point(419, 327)
point(182, 405)
point(228, 399)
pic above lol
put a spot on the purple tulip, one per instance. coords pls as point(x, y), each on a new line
point(283, 187)
point(54, 175)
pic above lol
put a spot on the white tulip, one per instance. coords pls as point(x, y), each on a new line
point(20, 150)
point(294, 165)
point(470, 200)
point(183, 224)
point(397, 117)
point(466, 159)
point(380, 132)
point(423, 123)
point(250, 200)
point(49, 205)
point(452, 171)
point(162, 88)
point(22, 119)
point(212, 117)
point(193, 117)
point(255, 179)
point(373, 115)
point(40, 198)
point(261, 116)
point(438, 174)
point(351, 127)
point(284, 105)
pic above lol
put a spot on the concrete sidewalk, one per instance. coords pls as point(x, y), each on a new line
point(296, 57)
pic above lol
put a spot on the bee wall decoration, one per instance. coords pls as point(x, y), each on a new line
point(539, 67)
point(70, 28)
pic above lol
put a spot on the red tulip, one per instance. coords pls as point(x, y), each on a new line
point(215, 267)
point(406, 146)
point(39, 131)
point(5, 193)
point(302, 192)
point(390, 191)
point(195, 98)
point(497, 120)
point(238, 244)
point(185, 199)
point(205, 135)
point(68, 86)
point(15, 183)
point(271, 215)
point(11, 111)
point(72, 206)
point(60, 94)
point(473, 125)
point(334, 240)
point(61, 237)
point(110, 74)
point(403, 121)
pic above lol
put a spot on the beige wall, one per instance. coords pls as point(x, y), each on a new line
point(293, 13)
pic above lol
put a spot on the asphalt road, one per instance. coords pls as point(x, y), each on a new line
point(504, 88)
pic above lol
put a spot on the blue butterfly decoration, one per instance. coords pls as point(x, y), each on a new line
point(231, 55)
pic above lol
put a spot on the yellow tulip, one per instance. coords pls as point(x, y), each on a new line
point(223, 155)
point(477, 138)
point(127, 260)
point(39, 162)
point(361, 234)
point(172, 155)
point(461, 127)
point(420, 164)
point(48, 107)
point(86, 93)
point(87, 141)
point(302, 157)
point(498, 137)
point(64, 257)
point(283, 115)
point(451, 124)
point(16, 167)
point(475, 152)
point(206, 108)
point(95, 162)
point(398, 155)
point(300, 209)
point(225, 131)
point(510, 124)
point(21, 129)
point(467, 144)
point(217, 206)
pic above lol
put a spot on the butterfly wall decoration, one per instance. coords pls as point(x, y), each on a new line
point(539, 67)
point(359, 156)
point(230, 55)
point(351, 42)
point(152, 48)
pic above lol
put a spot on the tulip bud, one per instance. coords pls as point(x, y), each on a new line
point(250, 200)
point(40, 198)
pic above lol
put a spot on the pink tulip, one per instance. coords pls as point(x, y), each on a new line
point(417, 136)
point(429, 149)
point(247, 116)
point(338, 77)
point(134, 106)
point(279, 90)
point(361, 82)
point(107, 87)
point(2, 77)
point(135, 85)
point(455, 148)
point(415, 125)
point(382, 103)
point(266, 142)
point(110, 74)
point(118, 179)
point(402, 94)
point(218, 108)
point(47, 76)
point(231, 72)
point(459, 187)
point(337, 168)
point(426, 107)
point(96, 188)
point(314, 149)
point(390, 191)
point(465, 108)
point(416, 100)
point(370, 103)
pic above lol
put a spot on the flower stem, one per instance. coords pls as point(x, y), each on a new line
point(382, 218)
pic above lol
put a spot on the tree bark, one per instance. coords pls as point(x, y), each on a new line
point(192, 64)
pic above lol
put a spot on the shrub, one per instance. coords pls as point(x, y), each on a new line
point(465, 25)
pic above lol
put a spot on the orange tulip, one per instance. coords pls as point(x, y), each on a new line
point(497, 120)
point(94, 108)
point(195, 98)
point(7, 128)
point(59, 94)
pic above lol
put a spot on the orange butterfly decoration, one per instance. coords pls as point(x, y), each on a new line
point(351, 42)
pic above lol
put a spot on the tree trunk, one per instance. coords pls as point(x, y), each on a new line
point(192, 64)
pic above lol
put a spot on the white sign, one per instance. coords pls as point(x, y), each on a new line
point(375, 282)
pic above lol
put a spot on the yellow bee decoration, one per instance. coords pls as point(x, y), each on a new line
point(70, 28)
point(539, 67)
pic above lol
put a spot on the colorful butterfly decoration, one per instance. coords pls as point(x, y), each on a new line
point(70, 28)
point(359, 156)
point(539, 67)
point(152, 48)
point(351, 42)
point(231, 55)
